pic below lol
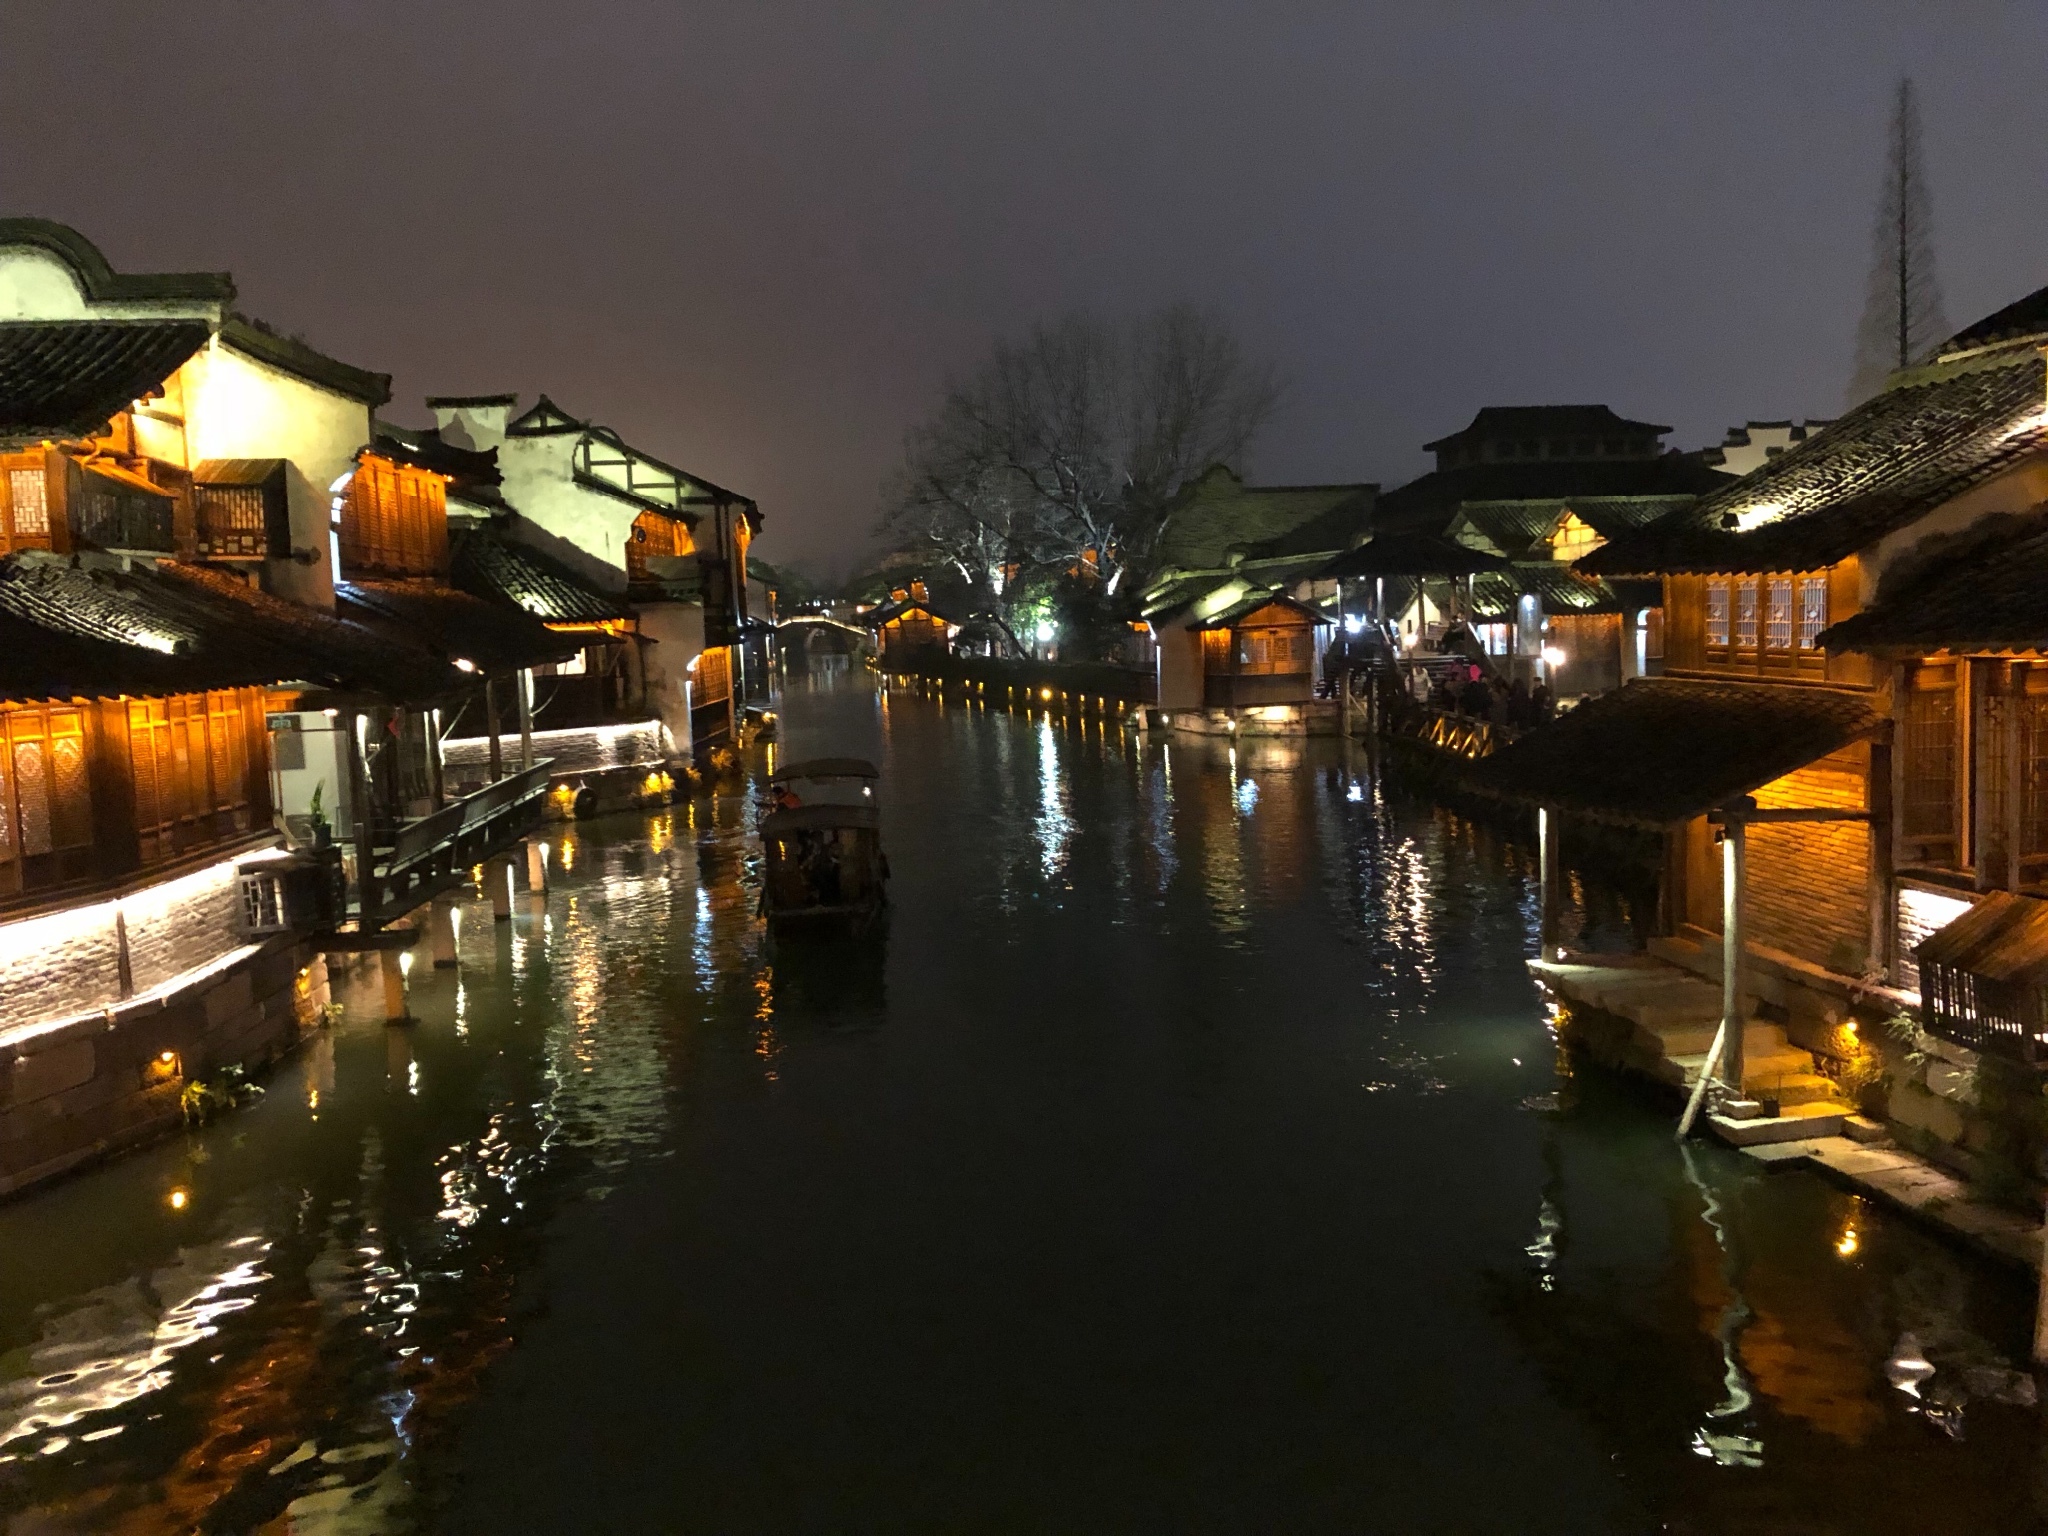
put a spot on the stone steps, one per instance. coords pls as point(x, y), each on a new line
point(1798, 1123)
point(1660, 1021)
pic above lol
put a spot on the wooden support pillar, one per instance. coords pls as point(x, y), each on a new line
point(2011, 719)
point(1550, 867)
point(491, 728)
point(498, 884)
point(391, 963)
point(436, 768)
point(523, 681)
point(442, 916)
point(1734, 863)
point(2041, 1305)
point(367, 894)
point(1880, 894)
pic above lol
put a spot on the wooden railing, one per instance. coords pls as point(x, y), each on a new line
point(1455, 735)
point(431, 853)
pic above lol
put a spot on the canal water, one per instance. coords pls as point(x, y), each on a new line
point(1189, 1152)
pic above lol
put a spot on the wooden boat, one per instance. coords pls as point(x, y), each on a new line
point(823, 841)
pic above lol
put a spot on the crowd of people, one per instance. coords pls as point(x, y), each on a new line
point(1468, 691)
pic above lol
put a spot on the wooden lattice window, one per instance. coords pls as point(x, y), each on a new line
point(233, 521)
point(1930, 809)
point(1745, 616)
point(2032, 724)
point(394, 520)
point(1717, 614)
point(1215, 650)
point(1813, 611)
point(24, 502)
point(45, 795)
point(712, 681)
point(189, 755)
point(655, 537)
point(1276, 649)
point(1778, 614)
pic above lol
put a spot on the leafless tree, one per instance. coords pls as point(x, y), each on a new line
point(1077, 438)
point(1902, 316)
point(957, 504)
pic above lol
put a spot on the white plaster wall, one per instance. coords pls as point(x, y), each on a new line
point(37, 284)
point(2022, 488)
point(677, 630)
point(326, 763)
point(239, 408)
point(539, 481)
point(578, 749)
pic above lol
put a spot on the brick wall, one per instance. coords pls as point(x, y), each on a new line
point(88, 1089)
point(1808, 886)
point(583, 750)
point(65, 963)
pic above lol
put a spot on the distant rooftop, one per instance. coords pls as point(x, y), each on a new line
point(1522, 432)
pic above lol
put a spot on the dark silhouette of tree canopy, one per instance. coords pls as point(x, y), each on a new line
point(1076, 439)
point(1902, 317)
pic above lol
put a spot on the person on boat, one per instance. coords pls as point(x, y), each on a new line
point(782, 798)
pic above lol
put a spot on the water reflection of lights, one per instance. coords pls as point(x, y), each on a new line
point(766, 1046)
point(1054, 826)
point(1847, 1244)
point(84, 1369)
point(1716, 1439)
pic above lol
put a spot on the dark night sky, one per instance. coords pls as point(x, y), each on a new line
point(756, 237)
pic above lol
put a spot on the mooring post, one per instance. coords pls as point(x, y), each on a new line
point(441, 921)
point(1550, 873)
point(498, 881)
point(391, 962)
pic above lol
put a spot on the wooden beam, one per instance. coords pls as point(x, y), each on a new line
point(1788, 813)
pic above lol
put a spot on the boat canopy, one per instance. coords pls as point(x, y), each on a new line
point(826, 768)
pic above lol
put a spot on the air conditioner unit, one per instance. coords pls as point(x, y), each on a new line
point(304, 892)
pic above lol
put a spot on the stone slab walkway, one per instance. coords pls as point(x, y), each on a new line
point(1916, 1188)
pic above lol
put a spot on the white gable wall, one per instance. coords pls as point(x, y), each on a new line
point(540, 481)
point(38, 284)
point(239, 408)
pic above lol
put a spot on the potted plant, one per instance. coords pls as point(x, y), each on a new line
point(316, 818)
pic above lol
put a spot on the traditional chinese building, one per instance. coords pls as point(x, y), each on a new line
point(1540, 487)
point(1841, 757)
point(217, 762)
point(1239, 610)
point(907, 624)
point(672, 544)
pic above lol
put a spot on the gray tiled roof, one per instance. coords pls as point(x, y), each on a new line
point(1662, 750)
point(1932, 434)
point(69, 378)
point(1991, 596)
point(486, 564)
point(1218, 512)
point(1431, 501)
point(91, 629)
point(489, 635)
